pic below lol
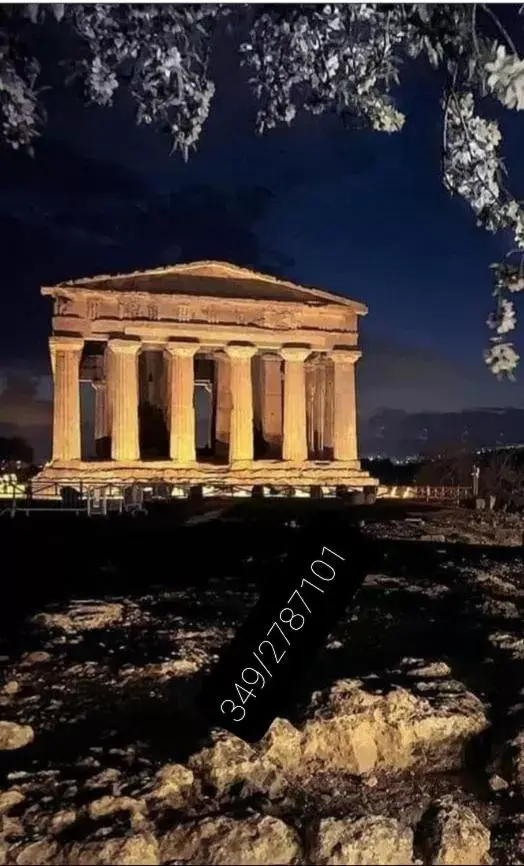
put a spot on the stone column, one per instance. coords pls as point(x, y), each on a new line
point(222, 405)
point(345, 406)
point(329, 411)
point(241, 442)
point(102, 421)
point(65, 361)
point(271, 401)
point(123, 371)
point(181, 377)
point(294, 446)
point(320, 406)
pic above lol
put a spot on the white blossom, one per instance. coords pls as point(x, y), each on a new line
point(503, 319)
point(502, 359)
point(506, 78)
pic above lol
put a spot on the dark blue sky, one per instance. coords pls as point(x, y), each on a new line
point(356, 212)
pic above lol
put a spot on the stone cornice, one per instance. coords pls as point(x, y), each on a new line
point(100, 286)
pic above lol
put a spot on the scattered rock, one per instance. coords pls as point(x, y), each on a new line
point(172, 784)
point(138, 850)
point(41, 852)
point(434, 669)
point(106, 779)
point(452, 834)
point(222, 840)
point(9, 799)
point(11, 688)
point(14, 736)
point(107, 806)
point(227, 762)
point(62, 820)
point(497, 783)
point(359, 732)
point(82, 616)
point(372, 839)
point(35, 658)
point(282, 744)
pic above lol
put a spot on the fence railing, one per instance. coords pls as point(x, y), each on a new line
point(99, 497)
point(424, 493)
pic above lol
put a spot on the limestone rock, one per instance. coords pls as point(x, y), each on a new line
point(372, 839)
point(14, 736)
point(139, 850)
point(41, 852)
point(227, 762)
point(3, 852)
point(497, 783)
point(62, 820)
point(105, 779)
point(109, 805)
point(359, 732)
point(172, 785)
point(11, 688)
point(9, 799)
point(452, 834)
point(222, 840)
point(282, 744)
point(82, 616)
point(35, 658)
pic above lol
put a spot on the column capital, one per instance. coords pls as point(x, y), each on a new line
point(66, 344)
point(345, 356)
point(295, 353)
point(240, 351)
point(181, 349)
point(124, 347)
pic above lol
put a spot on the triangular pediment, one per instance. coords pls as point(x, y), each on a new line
point(207, 279)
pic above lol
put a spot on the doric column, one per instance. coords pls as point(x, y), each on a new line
point(65, 361)
point(344, 404)
point(123, 371)
point(294, 445)
point(222, 405)
point(241, 441)
point(181, 379)
point(320, 406)
point(102, 428)
point(328, 407)
point(271, 401)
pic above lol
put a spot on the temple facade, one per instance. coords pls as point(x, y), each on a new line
point(274, 362)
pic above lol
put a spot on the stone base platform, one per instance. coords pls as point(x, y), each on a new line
point(270, 473)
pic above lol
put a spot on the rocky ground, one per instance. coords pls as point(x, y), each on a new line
point(404, 744)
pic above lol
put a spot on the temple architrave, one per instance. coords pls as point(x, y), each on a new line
point(276, 361)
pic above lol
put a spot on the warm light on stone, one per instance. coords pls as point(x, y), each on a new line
point(278, 360)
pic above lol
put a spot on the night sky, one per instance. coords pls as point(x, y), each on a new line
point(360, 213)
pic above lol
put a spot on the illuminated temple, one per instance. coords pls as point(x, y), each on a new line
point(273, 361)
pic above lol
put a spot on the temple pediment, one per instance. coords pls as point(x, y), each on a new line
point(206, 279)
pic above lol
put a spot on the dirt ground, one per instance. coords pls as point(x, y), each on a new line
point(403, 743)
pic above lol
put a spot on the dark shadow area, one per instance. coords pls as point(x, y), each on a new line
point(180, 581)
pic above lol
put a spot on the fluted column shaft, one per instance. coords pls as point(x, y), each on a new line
point(344, 404)
point(241, 439)
point(101, 410)
point(181, 378)
point(65, 361)
point(271, 400)
point(294, 444)
point(222, 405)
point(123, 371)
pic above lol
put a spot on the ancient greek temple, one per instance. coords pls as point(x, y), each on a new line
point(274, 362)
